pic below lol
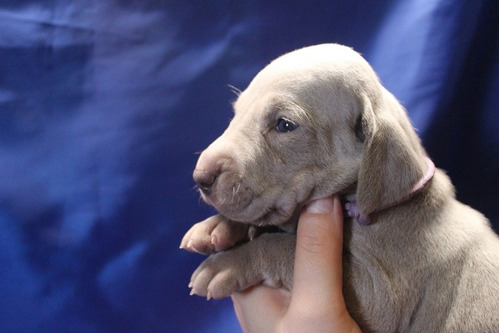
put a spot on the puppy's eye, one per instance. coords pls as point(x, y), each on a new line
point(285, 125)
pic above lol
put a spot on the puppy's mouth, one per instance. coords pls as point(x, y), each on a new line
point(232, 202)
point(239, 203)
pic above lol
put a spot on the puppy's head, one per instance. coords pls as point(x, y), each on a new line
point(312, 123)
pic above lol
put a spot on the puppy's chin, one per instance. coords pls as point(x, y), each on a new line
point(274, 217)
point(267, 216)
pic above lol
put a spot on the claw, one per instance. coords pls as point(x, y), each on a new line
point(252, 232)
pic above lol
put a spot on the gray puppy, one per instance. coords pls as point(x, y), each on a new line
point(316, 122)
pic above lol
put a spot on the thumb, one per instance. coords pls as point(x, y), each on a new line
point(318, 258)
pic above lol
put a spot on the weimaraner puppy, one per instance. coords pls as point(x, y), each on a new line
point(315, 122)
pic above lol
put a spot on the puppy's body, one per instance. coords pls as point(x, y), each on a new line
point(427, 265)
point(316, 122)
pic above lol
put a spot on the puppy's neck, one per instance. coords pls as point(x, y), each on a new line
point(351, 208)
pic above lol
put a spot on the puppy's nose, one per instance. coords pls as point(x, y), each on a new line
point(204, 180)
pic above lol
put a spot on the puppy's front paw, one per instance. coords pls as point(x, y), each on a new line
point(213, 235)
point(220, 275)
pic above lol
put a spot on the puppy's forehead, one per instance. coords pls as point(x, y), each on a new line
point(275, 85)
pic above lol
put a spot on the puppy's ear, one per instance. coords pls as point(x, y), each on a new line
point(393, 158)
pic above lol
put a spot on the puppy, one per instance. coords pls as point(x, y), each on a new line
point(315, 122)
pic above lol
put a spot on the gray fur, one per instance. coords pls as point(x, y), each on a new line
point(428, 264)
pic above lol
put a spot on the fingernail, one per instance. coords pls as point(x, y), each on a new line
point(321, 206)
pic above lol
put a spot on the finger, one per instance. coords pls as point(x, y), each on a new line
point(318, 259)
point(260, 309)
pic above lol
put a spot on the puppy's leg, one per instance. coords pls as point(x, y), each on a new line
point(268, 259)
point(213, 235)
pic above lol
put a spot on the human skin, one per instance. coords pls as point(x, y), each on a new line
point(316, 303)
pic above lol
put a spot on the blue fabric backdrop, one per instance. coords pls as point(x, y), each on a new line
point(104, 103)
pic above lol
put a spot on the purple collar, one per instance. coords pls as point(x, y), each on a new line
point(351, 208)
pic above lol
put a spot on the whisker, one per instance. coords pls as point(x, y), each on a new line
point(233, 195)
point(221, 202)
point(236, 189)
point(235, 90)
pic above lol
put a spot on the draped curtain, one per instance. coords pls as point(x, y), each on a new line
point(105, 103)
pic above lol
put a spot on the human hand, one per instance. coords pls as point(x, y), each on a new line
point(316, 303)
